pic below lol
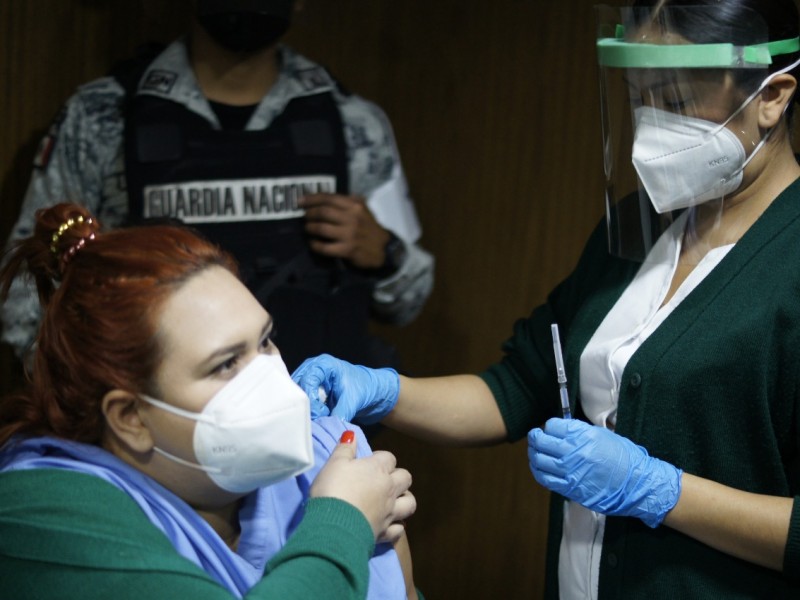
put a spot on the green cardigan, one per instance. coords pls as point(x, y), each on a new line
point(714, 391)
point(71, 535)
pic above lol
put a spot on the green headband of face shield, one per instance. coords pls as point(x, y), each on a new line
point(615, 52)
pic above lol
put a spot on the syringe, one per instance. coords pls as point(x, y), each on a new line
point(562, 374)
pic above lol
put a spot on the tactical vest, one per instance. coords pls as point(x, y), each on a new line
point(240, 190)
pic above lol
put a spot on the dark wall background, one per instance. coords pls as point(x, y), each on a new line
point(495, 109)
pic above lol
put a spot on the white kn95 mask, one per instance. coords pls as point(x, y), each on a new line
point(684, 161)
point(254, 432)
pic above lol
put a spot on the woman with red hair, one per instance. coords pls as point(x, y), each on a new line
point(162, 450)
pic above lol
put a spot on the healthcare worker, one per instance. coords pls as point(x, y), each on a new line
point(162, 449)
point(260, 149)
point(678, 474)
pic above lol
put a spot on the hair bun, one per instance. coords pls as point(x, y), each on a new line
point(66, 228)
point(66, 255)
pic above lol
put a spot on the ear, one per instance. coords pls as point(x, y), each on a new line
point(122, 416)
point(774, 99)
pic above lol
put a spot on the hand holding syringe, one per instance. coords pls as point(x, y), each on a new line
point(562, 375)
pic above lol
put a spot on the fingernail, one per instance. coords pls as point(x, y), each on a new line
point(348, 437)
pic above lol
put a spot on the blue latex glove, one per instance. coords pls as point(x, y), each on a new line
point(603, 471)
point(353, 392)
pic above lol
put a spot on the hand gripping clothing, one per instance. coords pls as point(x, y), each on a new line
point(160, 542)
point(712, 391)
point(328, 140)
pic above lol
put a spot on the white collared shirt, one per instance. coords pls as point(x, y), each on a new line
point(636, 315)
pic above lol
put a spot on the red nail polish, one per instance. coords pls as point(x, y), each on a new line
point(348, 437)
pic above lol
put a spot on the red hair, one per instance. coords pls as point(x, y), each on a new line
point(99, 328)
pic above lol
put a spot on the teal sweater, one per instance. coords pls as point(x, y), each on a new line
point(70, 535)
point(714, 391)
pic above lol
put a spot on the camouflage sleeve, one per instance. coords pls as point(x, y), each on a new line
point(71, 165)
point(399, 299)
point(376, 173)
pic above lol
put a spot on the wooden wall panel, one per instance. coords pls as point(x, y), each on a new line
point(495, 110)
point(496, 113)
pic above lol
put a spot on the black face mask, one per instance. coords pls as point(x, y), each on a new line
point(245, 26)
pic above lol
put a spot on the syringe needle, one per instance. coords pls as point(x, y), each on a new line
point(561, 372)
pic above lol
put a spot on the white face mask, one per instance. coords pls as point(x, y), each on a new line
point(254, 432)
point(683, 161)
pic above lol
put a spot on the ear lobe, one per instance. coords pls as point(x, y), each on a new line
point(775, 98)
point(122, 416)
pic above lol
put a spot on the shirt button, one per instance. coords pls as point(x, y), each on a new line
point(612, 560)
point(636, 380)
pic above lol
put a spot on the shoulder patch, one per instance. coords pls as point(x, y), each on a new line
point(45, 150)
point(313, 78)
point(160, 81)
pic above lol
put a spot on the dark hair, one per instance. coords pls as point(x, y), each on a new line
point(101, 294)
point(733, 21)
point(730, 20)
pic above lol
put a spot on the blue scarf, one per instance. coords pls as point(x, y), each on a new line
point(267, 517)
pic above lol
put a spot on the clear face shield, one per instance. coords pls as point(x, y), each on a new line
point(676, 86)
